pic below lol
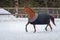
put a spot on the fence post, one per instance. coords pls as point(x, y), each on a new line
point(16, 8)
point(57, 14)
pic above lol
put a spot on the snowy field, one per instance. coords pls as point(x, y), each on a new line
point(15, 30)
point(12, 28)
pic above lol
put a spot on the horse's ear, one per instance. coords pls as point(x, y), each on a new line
point(26, 6)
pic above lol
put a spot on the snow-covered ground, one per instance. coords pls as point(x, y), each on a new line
point(15, 30)
point(12, 28)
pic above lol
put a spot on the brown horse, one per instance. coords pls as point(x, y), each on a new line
point(35, 18)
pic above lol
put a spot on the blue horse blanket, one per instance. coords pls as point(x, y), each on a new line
point(40, 19)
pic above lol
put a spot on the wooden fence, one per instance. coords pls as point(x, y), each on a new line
point(52, 11)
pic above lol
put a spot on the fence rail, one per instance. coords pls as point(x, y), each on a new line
point(52, 11)
point(26, 14)
point(32, 8)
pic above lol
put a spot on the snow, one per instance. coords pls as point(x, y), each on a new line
point(8, 17)
point(12, 28)
point(15, 30)
point(3, 11)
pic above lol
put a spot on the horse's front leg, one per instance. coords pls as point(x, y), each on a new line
point(26, 27)
point(34, 28)
point(46, 27)
point(50, 27)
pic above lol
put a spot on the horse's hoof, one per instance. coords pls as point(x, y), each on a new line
point(26, 31)
point(51, 29)
point(34, 31)
point(45, 29)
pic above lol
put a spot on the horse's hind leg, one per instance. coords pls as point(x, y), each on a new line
point(26, 27)
point(50, 26)
point(46, 27)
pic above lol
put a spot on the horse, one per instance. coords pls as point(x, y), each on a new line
point(37, 18)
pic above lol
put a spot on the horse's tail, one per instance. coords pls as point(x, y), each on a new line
point(52, 19)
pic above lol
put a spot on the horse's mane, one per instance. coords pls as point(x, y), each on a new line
point(29, 9)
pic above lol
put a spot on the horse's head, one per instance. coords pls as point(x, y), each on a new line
point(29, 11)
point(24, 9)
